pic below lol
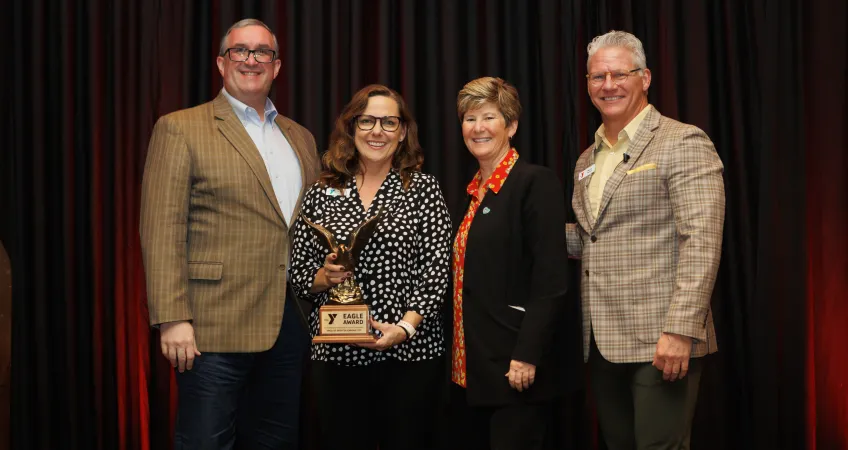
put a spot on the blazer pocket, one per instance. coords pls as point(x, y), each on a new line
point(649, 166)
point(512, 317)
point(205, 270)
point(652, 298)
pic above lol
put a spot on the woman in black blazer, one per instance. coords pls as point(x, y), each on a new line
point(510, 283)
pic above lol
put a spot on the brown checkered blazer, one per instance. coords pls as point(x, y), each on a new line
point(649, 260)
point(213, 237)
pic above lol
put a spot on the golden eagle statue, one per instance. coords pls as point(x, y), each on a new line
point(347, 255)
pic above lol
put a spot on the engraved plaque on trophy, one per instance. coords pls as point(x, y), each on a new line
point(345, 318)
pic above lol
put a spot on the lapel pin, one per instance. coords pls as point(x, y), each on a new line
point(486, 210)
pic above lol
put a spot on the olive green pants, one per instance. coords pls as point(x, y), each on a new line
point(637, 409)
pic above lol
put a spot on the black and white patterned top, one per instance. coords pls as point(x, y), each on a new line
point(404, 267)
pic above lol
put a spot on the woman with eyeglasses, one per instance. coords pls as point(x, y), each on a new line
point(380, 394)
point(509, 284)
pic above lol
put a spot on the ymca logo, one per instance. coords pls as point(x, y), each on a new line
point(332, 318)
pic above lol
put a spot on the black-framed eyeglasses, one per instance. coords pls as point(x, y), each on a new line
point(599, 78)
point(366, 123)
point(260, 55)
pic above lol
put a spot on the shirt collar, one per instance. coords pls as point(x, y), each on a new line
point(393, 178)
point(628, 132)
point(247, 113)
point(498, 177)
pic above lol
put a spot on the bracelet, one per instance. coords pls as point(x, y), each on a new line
point(405, 332)
point(407, 328)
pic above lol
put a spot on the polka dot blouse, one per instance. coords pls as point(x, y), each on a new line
point(404, 267)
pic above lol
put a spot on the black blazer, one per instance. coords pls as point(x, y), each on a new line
point(516, 257)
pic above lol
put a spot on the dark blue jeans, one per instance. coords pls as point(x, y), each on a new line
point(245, 400)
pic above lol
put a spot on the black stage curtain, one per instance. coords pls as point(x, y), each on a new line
point(86, 80)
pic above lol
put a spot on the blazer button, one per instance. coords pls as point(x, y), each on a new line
point(587, 273)
point(594, 238)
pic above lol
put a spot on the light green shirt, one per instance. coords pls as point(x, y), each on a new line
point(608, 157)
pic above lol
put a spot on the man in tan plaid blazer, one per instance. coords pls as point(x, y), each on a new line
point(649, 201)
point(222, 185)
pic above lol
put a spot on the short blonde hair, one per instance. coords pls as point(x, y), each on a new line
point(492, 90)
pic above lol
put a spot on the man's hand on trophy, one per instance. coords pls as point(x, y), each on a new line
point(391, 336)
point(329, 275)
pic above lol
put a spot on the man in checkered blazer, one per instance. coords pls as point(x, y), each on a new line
point(223, 183)
point(649, 202)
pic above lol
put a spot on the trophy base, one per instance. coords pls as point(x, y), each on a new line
point(345, 339)
point(344, 324)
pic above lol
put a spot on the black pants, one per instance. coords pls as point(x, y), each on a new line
point(637, 409)
point(244, 400)
point(390, 405)
point(508, 427)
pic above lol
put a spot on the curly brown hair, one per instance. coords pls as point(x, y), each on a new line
point(341, 161)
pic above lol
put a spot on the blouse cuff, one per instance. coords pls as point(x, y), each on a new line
point(302, 290)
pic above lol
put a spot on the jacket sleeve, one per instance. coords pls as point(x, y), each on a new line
point(163, 228)
point(696, 191)
point(543, 217)
point(573, 231)
point(574, 240)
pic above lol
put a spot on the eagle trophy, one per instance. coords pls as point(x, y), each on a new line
point(347, 254)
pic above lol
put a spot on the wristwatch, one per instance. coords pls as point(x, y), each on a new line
point(408, 328)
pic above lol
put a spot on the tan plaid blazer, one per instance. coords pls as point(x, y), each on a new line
point(649, 260)
point(213, 237)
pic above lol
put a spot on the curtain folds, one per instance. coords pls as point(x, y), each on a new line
point(86, 81)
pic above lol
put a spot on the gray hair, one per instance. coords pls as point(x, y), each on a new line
point(246, 23)
point(618, 39)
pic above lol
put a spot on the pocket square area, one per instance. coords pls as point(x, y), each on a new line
point(649, 166)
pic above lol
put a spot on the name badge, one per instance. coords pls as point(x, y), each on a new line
point(589, 171)
point(333, 192)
